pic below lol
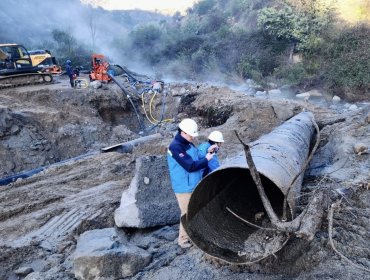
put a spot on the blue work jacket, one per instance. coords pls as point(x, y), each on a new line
point(69, 70)
point(184, 165)
point(213, 164)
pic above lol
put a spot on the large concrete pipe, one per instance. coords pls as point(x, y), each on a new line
point(226, 218)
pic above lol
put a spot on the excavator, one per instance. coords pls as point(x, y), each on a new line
point(45, 61)
point(17, 68)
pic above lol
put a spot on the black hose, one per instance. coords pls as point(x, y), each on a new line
point(128, 95)
point(162, 114)
point(163, 106)
point(25, 174)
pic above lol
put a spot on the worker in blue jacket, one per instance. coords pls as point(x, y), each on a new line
point(214, 138)
point(70, 73)
point(185, 169)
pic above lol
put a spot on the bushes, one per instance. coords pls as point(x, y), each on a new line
point(347, 57)
point(64, 46)
point(293, 74)
point(223, 36)
point(204, 6)
point(146, 37)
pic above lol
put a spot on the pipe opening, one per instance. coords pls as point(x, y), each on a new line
point(218, 232)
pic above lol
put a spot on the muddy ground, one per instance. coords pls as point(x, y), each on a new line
point(64, 129)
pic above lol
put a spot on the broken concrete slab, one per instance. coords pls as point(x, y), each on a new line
point(149, 201)
point(106, 254)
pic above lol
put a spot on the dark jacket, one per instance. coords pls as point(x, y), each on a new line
point(184, 165)
point(69, 70)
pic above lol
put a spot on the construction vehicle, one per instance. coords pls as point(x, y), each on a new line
point(99, 68)
point(102, 71)
point(131, 85)
point(17, 69)
point(45, 61)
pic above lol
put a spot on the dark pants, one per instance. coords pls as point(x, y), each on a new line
point(71, 80)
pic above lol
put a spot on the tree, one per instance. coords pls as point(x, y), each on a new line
point(93, 28)
point(66, 42)
point(301, 26)
point(346, 62)
point(67, 47)
point(203, 7)
point(145, 37)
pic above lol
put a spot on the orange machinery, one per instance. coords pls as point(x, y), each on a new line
point(99, 69)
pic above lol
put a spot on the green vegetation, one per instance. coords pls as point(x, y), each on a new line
point(347, 62)
point(261, 40)
point(297, 42)
point(64, 46)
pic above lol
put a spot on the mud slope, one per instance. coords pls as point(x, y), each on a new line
point(42, 125)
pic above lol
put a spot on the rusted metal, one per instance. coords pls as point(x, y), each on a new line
point(226, 217)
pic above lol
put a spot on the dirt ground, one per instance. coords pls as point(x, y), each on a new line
point(78, 187)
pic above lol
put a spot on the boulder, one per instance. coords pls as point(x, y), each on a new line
point(149, 201)
point(353, 107)
point(303, 95)
point(96, 84)
point(274, 92)
point(315, 93)
point(360, 148)
point(105, 254)
point(336, 98)
point(259, 93)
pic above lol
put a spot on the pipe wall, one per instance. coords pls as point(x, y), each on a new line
point(279, 156)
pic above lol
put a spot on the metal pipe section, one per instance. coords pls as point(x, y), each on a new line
point(226, 218)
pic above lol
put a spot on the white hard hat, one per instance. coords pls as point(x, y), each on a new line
point(189, 126)
point(216, 136)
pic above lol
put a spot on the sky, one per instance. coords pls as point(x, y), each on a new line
point(163, 6)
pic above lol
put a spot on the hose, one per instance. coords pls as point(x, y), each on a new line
point(129, 98)
point(150, 111)
point(151, 119)
point(143, 105)
point(155, 123)
point(25, 174)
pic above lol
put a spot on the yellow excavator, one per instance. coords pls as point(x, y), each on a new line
point(17, 69)
point(45, 61)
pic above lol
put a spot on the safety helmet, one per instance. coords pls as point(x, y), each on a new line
point(216, 136)
point(189, 127)
point(68, 62)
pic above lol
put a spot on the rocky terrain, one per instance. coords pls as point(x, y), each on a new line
point(53, 223)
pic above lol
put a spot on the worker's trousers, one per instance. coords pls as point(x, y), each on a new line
point(183, 200)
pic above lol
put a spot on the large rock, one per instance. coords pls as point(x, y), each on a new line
point(96, 84)
point(274, 92)
point(105, 254)
point(149, 201)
